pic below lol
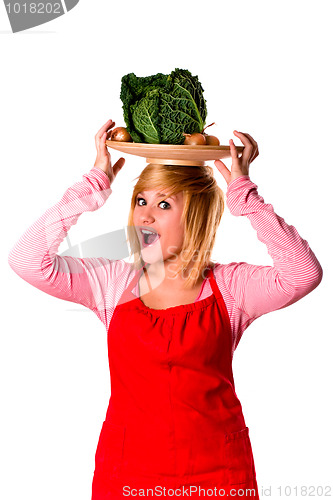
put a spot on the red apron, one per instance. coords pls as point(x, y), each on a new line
point(174, 420)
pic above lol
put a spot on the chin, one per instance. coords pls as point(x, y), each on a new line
point(152, 255)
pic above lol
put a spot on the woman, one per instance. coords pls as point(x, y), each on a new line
point(174, 319)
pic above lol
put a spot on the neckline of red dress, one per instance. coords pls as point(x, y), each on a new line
point(197, 304)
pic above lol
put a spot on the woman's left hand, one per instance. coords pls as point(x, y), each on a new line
point(240, 165)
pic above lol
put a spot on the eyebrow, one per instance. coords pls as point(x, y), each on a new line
point(157, 194)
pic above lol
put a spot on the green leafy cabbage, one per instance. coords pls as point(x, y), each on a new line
point(159, 108)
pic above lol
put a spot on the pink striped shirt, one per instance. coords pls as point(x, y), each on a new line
point(249, 291)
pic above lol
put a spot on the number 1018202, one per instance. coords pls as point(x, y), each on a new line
point(34, 8)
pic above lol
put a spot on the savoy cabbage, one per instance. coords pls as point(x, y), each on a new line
point(159, 108)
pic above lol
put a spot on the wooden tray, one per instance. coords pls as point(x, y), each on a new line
point(170, 154)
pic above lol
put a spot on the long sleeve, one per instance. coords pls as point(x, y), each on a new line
point(34, 257)
point(296, 271)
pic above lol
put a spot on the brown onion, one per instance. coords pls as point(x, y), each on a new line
point(195, 139)
point(211, 140)
point(120, 134)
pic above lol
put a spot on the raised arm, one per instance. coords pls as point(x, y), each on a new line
point(34, 257)
point(295, 271)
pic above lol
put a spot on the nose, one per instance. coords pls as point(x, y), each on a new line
point(146, 215)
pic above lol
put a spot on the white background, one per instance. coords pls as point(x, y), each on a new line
point(266, 70)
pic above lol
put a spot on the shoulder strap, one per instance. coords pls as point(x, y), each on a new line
point(127, 295)
point(213, 284)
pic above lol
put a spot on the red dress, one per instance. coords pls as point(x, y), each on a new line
point(174, 420)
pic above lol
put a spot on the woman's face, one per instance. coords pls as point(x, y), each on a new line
point(163, 218)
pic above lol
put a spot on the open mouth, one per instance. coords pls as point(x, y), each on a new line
point(149, 237)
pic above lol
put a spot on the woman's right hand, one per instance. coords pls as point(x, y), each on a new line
point(103, 159)
point(240, 164)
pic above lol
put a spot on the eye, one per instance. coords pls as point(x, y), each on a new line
point(138, 200)
point(168, 205)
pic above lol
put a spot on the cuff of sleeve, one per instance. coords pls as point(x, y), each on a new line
point(101, 177)
point(243, 197)
point(238, 181)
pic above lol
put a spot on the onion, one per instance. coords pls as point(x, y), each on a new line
point(211, 140)
point(120, 134)
point(195, 139)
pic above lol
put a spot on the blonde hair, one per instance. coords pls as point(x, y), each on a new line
point(202, 212)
